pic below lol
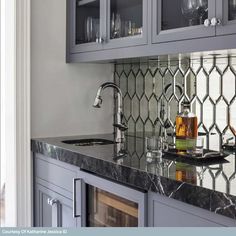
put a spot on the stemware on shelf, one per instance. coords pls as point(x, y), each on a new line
point(190, 11)
point(202, 10)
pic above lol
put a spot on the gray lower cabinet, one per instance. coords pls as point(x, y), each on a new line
point(53, 209)
point(53, 193)
point(165, 212)
point(65, 196)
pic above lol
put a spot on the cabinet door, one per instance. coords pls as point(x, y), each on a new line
point(165, 212)
point(182, 19)
point(126, 23)
point(226, 12)
point(52, 209)
point(86, 25)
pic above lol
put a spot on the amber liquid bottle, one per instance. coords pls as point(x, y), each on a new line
point(186, 129)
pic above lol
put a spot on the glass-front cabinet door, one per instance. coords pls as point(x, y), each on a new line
point(226, 12)
point(87, 24)
point(127, 23)
point(182, 19)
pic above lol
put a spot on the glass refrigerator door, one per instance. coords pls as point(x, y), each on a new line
point(108, 210)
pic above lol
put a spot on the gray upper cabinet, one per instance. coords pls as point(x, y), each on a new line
point(127, 23)
point(182, 19)
point(226, 13)
point(104, 24)
point(86, 26)
point(106, 30)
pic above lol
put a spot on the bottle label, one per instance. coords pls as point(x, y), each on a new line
point(185, 144)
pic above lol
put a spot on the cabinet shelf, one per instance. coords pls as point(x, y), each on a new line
point(114, 203)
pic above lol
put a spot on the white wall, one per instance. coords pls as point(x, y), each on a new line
point(62, 94)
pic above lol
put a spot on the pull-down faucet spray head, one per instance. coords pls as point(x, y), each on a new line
point(98, 99)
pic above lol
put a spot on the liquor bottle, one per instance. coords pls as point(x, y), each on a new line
point(186, 129)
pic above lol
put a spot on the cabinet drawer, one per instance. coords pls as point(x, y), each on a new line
point(54, 174)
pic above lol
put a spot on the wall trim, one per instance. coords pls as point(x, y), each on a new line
point(15, 111)
point(23, 134)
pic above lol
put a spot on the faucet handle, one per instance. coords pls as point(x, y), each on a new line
point(121, 127)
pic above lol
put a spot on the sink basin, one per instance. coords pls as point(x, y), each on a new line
point(88, 142)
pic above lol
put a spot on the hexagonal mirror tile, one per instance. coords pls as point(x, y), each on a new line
point(229, 81)
point(148, 126)
point(190, 85)
point(201, 84)
point(131, 125)
point(221, 115)
point(214, 84)
point(168, 85)
point(127, 107)
point(208, 113)
point(158, 84)
point(149, 84)
point(173, 111)
point(139, 126)
point(144, 108)
point(139, 85)
point(123, 83)
point(179, 84)
point(135, 107)
point(131, 84)
point(153, 108)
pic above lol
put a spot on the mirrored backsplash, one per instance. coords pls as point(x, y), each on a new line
point(154, 90)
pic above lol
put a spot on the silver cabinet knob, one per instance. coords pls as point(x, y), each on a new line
point(51, 202)
point(215, 21)
point(207, 22)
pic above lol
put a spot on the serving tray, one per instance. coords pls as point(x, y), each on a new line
point(209, 157)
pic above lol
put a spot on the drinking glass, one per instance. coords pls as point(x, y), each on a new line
point(89, 29)
point(190, 10)
point(117, 31)
point(200, 145)
point(232, 9)
point(95, 29)
point(154, 147)
point(199, 148)
point(113, 25)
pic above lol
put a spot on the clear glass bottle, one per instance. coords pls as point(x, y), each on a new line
point(186, 129)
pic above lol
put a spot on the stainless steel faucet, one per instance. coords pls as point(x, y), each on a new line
point(120, 127)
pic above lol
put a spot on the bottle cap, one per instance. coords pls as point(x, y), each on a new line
point(186, 104)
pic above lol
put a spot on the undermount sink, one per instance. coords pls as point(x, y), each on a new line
point(88, 142)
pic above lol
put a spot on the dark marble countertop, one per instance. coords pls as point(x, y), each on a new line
point(211, 187)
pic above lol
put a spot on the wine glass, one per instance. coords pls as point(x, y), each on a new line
point(232, 9)
point(190, 10)
point(202, 10)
